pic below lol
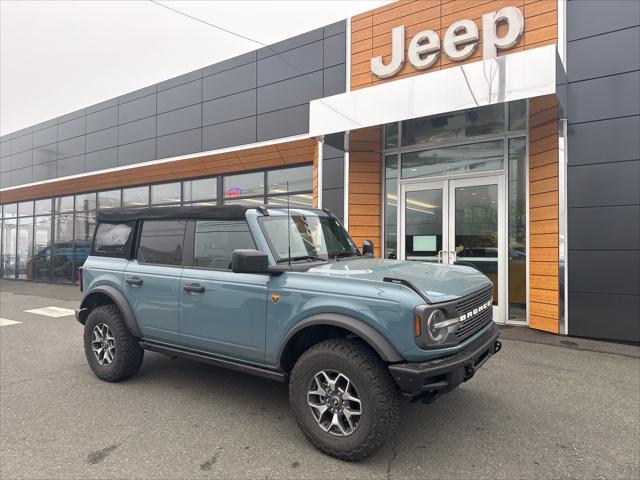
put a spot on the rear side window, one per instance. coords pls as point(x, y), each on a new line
point(161, 242)
point(113, 239)
point(215, 241)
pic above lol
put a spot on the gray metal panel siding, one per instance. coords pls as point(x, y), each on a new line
point(215, 107)
point(333, 174)
point(603, 58)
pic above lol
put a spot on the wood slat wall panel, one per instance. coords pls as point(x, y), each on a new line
point(371, 31)
point(543, 210)
point(296, 152)
point(365, 186)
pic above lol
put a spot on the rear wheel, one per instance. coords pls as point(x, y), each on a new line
point(344, 399)
point(112, 352)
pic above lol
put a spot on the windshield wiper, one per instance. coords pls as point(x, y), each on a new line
point(344, 254)
point(301, 257)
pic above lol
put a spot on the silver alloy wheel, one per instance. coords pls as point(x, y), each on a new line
point(103, 344)
point(334, 403)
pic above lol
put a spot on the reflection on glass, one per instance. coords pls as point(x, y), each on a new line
point(135, 197)
point(246, 202)
point(476, 229)
point(25, 246)
point(299, 178)
point(109, 199)
point(243, 185)
point(165, 193)
point(85, 223)
point(476, 157)
point(85, 202)
point(39, 265)
point(454, 126)
point(518, 115)
point(64, 204)
point(391, 207)
point(9, 235)
point(301, 200)
point(43, 207)
point(10, 210)
point(517, 230)
point(423, 225)
point(25, 209)
point(391, 135)
point(196, 190)
point(63, 248)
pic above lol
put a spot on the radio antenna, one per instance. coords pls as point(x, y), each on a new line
point(288, 224)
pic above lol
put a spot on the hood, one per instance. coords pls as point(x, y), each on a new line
point(439, 283)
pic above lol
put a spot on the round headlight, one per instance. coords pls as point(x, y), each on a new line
point(437, 329)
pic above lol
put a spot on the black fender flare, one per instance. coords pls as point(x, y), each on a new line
point(373, 337)
point(121, 302)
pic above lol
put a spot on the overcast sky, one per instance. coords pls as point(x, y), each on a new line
point(57, 57)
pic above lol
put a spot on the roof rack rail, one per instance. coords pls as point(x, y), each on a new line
point(263, 210)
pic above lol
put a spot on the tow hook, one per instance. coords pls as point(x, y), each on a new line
point(497, 347)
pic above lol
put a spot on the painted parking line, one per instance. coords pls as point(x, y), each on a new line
point(55, 312)
point(5, 321)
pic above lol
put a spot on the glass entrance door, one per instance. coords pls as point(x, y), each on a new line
point(459, 221)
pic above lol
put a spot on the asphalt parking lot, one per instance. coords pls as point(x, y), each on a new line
point(545, 407)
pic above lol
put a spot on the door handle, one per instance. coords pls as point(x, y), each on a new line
point(134, 282)
point(193, 288)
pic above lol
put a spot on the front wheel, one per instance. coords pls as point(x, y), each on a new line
point(344, 399)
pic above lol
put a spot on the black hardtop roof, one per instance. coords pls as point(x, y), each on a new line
point(205, 212)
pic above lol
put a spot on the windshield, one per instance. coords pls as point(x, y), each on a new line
point(312, 238)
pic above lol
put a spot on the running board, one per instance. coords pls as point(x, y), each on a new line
point(171, 351)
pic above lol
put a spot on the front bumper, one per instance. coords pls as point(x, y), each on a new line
point(442, 375)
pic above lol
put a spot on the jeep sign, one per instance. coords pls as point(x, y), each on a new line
point(460, 41)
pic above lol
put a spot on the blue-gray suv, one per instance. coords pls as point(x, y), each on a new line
point(287, 295)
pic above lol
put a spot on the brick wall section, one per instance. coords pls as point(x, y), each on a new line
point(371, 31)
point(289, 153)
point(365, 186)
point(543, 214)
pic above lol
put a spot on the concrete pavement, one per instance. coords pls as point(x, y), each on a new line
point(539, 409)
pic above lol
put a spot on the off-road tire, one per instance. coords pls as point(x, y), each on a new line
point(377, 391)
point(128, 354)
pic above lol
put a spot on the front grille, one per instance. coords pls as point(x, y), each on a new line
point(476, 322)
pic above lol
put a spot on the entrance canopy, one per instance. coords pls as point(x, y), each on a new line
point(517, 76)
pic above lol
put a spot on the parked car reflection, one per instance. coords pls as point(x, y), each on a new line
point(59, 259)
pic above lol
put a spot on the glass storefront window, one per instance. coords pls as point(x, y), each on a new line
point(135, 197)
point(25, 247)
point(85, 202)
point(109, 199)
point(63, 248)
point(64, 204)
point(246, 184)
point(299, 178)
point(198, 190)
point(456, 126)
point(85, 224)
point(391, 135)
point(40, 263)
point(518, 115)
point(166, 193)
point(391, 206)
point(43, 207)
point(9, 235)
point(300, 200)
point(25, 209)
point(517, 199)
point(10, 210)
point(470, 158)
point(246, 202)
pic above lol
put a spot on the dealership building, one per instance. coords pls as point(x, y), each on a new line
point(503, 133)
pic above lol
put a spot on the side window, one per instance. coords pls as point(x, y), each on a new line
point(215, 241)
point(113, 239)
point(161, 242)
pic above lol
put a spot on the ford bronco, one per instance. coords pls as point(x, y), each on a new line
point(287, 295)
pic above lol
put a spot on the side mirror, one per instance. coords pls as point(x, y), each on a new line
point(367, 248)
point(249, 261)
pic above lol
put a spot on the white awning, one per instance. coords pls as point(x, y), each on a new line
point(516, 76)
